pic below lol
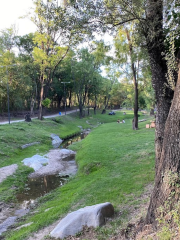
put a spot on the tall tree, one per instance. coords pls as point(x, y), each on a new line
point(109, 82)
point(8, 63)
point(152, 28)
point(85, 76)
point(126, 49)
point(167, 150)
point(29, 71)
point(51, 35)
point(150, 18)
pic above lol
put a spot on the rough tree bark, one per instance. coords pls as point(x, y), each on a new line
point(163, 94)
point(155, 46)
point(167, 178)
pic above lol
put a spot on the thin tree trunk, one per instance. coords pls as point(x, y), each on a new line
point(32, 106)
point(88, 106)
point(95, 105)
point(80, 107)
point(59, 99)
point(108, 98)
point(40, 115)
point(36, 95)
point(70, 98)
point(151, 111)
point(135, 120)
point(81, 98)
point(133, 68)
point(85, 95)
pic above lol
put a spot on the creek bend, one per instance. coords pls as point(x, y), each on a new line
point(42, 183)
point(39, 186)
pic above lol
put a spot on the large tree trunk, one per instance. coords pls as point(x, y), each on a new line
point(163, 99)
point(163, 94)
point(155, 45)
point(166, 192)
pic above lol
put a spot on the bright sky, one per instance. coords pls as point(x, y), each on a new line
point(11, 10)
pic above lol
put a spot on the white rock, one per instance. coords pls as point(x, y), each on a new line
point(91, 216)
point(56, 141)
point(35, 162)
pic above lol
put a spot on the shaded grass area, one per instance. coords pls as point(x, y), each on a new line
point(115, 164)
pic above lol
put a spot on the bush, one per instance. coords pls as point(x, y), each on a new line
point(46, 102)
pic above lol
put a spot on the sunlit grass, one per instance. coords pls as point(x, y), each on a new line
point(114, 164)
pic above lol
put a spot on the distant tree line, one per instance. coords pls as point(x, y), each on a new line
point(49, 69)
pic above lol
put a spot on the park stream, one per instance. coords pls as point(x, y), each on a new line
point(39, 185)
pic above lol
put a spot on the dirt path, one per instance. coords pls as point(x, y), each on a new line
point(49, 116)
point(43, 233)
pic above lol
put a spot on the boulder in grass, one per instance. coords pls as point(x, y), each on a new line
point(29, 145)
point(91, 216)
point(56, 141)
point(36, 162)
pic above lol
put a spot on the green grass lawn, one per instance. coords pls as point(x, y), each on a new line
point(115, 164)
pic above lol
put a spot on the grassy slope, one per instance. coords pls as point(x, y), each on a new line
point(13, 136)
point(115, 164)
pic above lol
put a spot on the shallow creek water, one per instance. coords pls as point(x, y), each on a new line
point(37, 187)
point(70, 141)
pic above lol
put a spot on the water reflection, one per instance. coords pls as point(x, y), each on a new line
point(78, 138)
point(37, 187)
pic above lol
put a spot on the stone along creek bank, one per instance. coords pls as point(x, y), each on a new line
point(51, 171)
point(53, 167)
